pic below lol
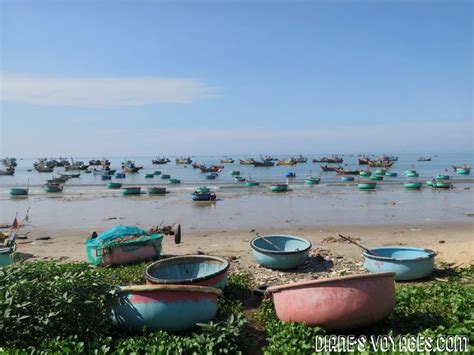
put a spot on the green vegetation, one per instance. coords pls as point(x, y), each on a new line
point(51, 307)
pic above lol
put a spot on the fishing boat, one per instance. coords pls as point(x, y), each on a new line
point(412, 185)
point(7, 172)
point(149, 176)
point(211, 176)
point(331, 160)
point(198, 195)
point(330, 168)
point(175, 181)
point(411, 173)
point(42, 167)
point(441, 177)
point(183, 160)
point(122, 245)
point(290, 161)
point(94, 162)
point(456, 167)
point(252, 183)
point(18, 191)
point(279, 187)
point(9, 162)
point(463, 171)
point(301, 159)
point(345, 302)
point(227, 161)
point(52, 187)
point(114, 185)
point(263, 163)
point(129, 166)
point(407, 263)
point(246, 161)
point(347, 178)
point(280, 251)
point(171, 308)
point(157, 190)
point(390, 174)
point(376, 177)
point(365, 173)
point(131, 190)
point(312, 180)
point(239, 178)
point(70, 176)
point(160, 161)
point(290, 174)
point(120, 175)
point(195, 270)
point(366, 185)
point(347, 172)
point(380, 164)
point(78, 165)
point(364, 161)
point(423, 159)
point(165, 176)
point(211, 169)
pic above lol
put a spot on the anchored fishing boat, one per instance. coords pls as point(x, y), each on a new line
point(120, 175)
point(290, 161)
point(7, 172)
point(106, 177)
point(195, 270)
point(280, 251)
point(441, 184)
point(183, 160)
point(336, 303)
point(157, 190)
point(211, 169)
point(227, 161)
point(279, 187)
point(18, 191)
point(172, 308)
point(129, 166)
point(463, 171)
point(247, 161)
point(330, 168)
point(423, 159)
point(407, 263)
point(347, 172)
point(263, 163)
point(160, 161)
point(381, 164)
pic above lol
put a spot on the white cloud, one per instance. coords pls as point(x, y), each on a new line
point(101, 92)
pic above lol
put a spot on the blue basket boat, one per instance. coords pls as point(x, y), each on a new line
point(196, 270)
point(408, 263)
point(211, 176)
point(280, 251)
point(172, 308)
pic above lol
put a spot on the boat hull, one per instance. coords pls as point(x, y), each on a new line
point(131, 190)
point(18, 192)
point(312, 181)
point(407, 263)
point(172, 308)
point(157, 190)
point(413, 185)
point(280, 251)
point(279, 188)
point(367, 186)
point(337, 303)
point(252, 183)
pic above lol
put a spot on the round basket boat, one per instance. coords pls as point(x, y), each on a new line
point(131, 190)
point(173, 308)
point(347, 178)
point(407, 263)
point(202, 189)
point(280, 251)
point(429, 183)
point(376, 177)
point(114, 185)
point(252, 183)
point(380, 172)
point(106, 177)
point(441, 184)
point(413, 185)
point(366, 185)
point(157, 172)
point(279, 187)
point(463, 171)
point(18, 191)
point(411, 173)
point(196, 270)
point(235, 172)
point(441, 177)
point(365, 173)
point(149, 176)
point(157, 190)
point(175, 181)
point(389, 174)
point(312, 181)
point(165, 176)
point(336, 303)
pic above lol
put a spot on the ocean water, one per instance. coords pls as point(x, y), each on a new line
point(440, 164)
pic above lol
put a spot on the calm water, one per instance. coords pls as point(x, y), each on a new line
point(189, 176)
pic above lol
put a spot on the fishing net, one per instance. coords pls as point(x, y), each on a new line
point(128, 236)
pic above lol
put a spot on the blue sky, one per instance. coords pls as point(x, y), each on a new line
point(230, 77)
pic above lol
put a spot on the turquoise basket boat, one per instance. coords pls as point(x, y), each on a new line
point(114, 185)
point(411, 173)
point(376, 177)
point(368, 185)
point(389, 174)
point(132, 190)
point(407, 263)
point(365, 173)
point(157, 190)
point(165, 176)
point(252, 183)
point(6, 256)
point(175, 181)
point(413, 185)
point(440, 184)
point(380, 172)
point(429, 183)
point(149, 176)
point(279, 187)
point(196, 270)
point(202, 189)
point(280, 251)
point(347, 178)
point(463, 171)
point(172, 308)
point(18, 191)
point(442, 177)
point(312, 181)
point(53, 188)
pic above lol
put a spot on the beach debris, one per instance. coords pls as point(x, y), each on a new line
point(43, 238)
point(441, 241)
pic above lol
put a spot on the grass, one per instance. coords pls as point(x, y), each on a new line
point(51, 307)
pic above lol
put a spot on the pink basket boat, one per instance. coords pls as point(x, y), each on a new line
point(336, 303)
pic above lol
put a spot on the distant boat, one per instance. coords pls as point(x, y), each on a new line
point(129, 166)
point(263, 163)
point(247, 161)
point(423, 159)
point(7, 172)
point(290, 161)
point(159, 161)
point(330, 168)
point(227, 161)
point(331, 160)
point(182, 160)
point(347, 172)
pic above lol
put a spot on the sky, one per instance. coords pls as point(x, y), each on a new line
point(125, 78)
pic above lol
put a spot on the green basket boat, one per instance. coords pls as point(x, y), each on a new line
point(175, 181)
point(157, 190)
point(157, 172)
point(53, 188)
point(365, 173)
point(366, 185)
point(279, 187)
point(442, 177)
point(380, 172)
point(114, 185)
point(132, 190)
point(463, 171)
point(235, 172)
point(376, 177)
point(390, 174)
point(441, 184)
point(18, 191)
point(149, 176)
point(429, 183)
point(252, 183)
point(412, 185)
point(312, 181)
point(411, 173)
